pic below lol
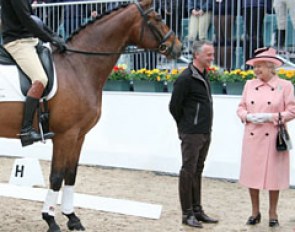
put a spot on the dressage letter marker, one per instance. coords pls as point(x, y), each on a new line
point(26, 172)
point(19, 170)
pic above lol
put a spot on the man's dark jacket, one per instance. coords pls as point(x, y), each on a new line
point(191, 102)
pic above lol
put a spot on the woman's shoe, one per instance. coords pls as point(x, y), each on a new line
point(273, 222)
point(254, 220)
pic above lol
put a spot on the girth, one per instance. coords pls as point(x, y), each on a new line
point(45, 56)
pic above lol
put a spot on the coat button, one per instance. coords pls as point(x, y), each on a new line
point(252, 102)
point(272, 89)
point(251, 133)
point(268, 103)
point(266, 134)
point(257, 88)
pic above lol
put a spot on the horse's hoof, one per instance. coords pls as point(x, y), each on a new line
point(74, 222)
point(75, 226)
point(53, 227)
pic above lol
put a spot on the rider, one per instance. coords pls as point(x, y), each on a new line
point(21, 32)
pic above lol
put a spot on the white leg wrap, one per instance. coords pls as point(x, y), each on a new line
point(50, 202)
point(67, 201)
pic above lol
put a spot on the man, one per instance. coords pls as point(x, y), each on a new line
point(191, 107)
point(21, 32)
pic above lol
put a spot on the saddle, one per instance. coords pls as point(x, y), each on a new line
point(25, 83)
point(47, 63)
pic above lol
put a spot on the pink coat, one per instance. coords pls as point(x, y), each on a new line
point(262, 167)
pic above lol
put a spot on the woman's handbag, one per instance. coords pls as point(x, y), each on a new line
point(283, 142)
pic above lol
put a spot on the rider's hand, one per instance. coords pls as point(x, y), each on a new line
point(59, 43)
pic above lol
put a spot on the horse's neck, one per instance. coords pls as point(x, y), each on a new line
point(109, 34)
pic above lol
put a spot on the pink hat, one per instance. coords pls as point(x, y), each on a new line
point(265, 54)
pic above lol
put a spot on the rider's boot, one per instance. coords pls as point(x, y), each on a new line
point(28, 134)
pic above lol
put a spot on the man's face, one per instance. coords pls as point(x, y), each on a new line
point(206, 56)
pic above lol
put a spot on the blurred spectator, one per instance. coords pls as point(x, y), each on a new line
point(172, 12)
point(76, 15)
point(200, 19)
point(225, 12)
point(54, 17)
point(39, 11)
point(282, 8)
point(253, 12)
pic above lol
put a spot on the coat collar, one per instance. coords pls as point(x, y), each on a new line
point(273, 82)
point(196, 72)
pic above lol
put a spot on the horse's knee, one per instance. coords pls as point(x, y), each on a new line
point(56, 181)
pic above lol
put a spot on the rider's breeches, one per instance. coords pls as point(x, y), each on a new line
point(24, 53)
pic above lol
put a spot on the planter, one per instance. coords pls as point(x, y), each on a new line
point(117, 85)
point(168, 86)
point(217, 87)
point(147, 86)
point(235, 88)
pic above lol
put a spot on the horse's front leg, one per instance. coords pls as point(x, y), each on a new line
point(67, 202)
point(64, 153)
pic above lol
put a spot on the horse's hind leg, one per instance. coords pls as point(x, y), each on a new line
point(67, 204)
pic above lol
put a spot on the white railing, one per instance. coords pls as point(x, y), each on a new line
point(245, 32)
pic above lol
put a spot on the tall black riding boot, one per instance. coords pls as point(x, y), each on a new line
point(28, 134)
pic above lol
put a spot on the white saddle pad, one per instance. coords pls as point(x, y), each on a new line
point(10, 85)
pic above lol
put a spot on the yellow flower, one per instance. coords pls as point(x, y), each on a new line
point(174, 71)
point(281, 71)
point(289, 73)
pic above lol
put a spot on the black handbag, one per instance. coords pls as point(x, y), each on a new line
point(283, 142)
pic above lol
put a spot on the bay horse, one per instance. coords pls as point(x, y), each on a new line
point(76, 107)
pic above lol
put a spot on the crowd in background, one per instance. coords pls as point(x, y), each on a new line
point(237, 27)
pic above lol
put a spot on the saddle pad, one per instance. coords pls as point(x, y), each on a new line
point(10, 85)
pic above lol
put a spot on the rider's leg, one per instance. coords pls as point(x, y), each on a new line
point(24, 53)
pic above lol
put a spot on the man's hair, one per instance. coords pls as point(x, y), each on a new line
point(198, 46)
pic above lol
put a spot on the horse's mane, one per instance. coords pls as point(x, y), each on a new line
point(98, 17)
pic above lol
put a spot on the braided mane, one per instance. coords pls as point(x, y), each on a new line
point(98, 17)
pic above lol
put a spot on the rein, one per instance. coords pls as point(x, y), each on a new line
point(106, 53)
point(158, 35)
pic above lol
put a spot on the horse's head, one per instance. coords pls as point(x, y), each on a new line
point(154, 33)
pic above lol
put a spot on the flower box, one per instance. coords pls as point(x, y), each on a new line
point(117, 85)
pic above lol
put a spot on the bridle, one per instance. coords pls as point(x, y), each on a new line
point(163, 48)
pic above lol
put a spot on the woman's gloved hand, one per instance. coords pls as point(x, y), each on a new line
point(259, 117)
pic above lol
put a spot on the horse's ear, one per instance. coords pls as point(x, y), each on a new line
point(146, 2)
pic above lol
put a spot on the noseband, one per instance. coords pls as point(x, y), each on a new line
point(163, 48)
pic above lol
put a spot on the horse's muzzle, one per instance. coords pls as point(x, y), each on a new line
point(172, 52)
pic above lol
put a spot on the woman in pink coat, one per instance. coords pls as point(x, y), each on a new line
point(262, 166)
